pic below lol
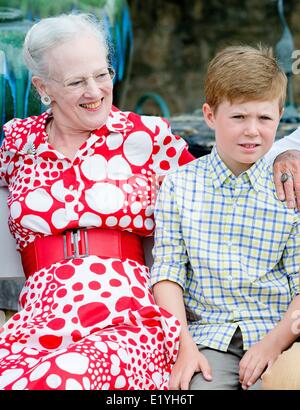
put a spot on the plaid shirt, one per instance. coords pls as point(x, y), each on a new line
point(232, 247)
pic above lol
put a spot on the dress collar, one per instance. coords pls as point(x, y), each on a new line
point(33, 136)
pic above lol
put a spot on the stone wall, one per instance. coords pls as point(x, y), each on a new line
point(174, 40)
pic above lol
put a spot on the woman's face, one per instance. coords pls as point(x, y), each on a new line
point(79, 85)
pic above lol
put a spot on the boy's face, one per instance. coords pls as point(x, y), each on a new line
point(244, 131)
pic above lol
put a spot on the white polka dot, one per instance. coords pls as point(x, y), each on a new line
point(138, 148)
point(136, 207)
point(3, 353)
point(10, 168)
point(73, 363)
point(15, 210)
point(95, 168)
point(141, 182)
point(29, 351)
point(115, 360)
point(20, 384)
point(39, 371)
point(59, 218)
point(101, 346)
point(35, 223)
point(90, 219)
point(149, 211)
point(123, 355)
point(58, 190)
point(138, 221)
point(157, 377)
point(86, 383)
point(120, 382)
point(9, 376)
point(149, 224)
point(115, 370)
point(114, 140)
point(152, 122)
point(39, 200)
point(80, 207)
point(73, 384)
point(18, 142)
point(111, 221)
point(113, 345)
point(105, 386)
point(53, 381)
point(118, 168)
point(31, 362)
point(127, 188)
point(105, 198)
point(124, 221)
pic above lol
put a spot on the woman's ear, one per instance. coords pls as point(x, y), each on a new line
point(39, 85)
point(208, 115)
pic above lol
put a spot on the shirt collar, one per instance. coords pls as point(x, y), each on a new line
point(221, 174)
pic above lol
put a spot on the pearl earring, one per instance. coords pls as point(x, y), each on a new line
point(46, 100)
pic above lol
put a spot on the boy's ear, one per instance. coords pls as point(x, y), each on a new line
point(208, 115)
point(281, 113)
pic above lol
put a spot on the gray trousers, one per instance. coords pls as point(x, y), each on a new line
point(224, 367)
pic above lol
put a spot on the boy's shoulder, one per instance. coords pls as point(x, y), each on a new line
point(195, 168)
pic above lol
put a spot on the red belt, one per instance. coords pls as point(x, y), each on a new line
point(80, 243)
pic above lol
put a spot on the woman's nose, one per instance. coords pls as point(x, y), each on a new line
point(92, 88)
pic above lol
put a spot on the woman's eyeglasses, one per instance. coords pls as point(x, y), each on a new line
point(81, 83)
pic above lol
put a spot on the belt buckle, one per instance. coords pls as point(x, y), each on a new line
point(76, 237)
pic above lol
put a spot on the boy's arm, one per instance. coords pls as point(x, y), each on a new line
point(169, 251)
point(264, 353)
point(169, 295)
point(168, 276)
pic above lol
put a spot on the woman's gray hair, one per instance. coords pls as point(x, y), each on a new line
point(51, 32)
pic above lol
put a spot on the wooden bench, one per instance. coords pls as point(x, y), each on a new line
point(10, 260)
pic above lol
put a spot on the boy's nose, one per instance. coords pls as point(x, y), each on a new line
point(251, 128)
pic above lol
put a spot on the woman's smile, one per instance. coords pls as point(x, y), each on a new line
point(92, 106)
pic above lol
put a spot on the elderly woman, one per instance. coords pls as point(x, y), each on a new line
point(82, 179)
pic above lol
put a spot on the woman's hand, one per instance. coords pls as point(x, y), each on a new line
point(288, 162)
point(189, 361)
point(256, 360)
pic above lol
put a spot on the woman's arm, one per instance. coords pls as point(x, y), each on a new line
point(285, 157)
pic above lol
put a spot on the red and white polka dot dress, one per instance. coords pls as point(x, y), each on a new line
point(87, 323)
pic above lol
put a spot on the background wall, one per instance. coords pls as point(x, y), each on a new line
point(174, 40)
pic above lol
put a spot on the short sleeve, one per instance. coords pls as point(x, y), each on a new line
point(170, 151)
point(6, 155)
